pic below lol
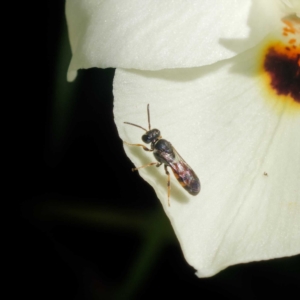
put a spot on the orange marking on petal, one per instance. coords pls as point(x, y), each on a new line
point(292, 25)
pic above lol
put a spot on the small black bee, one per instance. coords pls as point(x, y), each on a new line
point(166, 154)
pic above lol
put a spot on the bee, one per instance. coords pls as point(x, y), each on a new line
point(166, 154)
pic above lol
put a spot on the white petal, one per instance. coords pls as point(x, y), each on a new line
point(291, 7)
point(154, 35)
point(244, 150)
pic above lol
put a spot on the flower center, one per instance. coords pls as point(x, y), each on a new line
point(281, 65)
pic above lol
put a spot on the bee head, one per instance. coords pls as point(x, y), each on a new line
point(151, 136)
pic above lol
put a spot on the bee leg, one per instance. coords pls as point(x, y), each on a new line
point(139, 145)
point(145, 166)
point(169, 183)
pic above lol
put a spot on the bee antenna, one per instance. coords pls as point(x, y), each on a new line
point(136, 125)
point(148, 117)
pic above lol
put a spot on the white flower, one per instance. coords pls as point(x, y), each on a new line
point(222, 80)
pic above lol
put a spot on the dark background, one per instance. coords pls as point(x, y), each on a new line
point(83, 239)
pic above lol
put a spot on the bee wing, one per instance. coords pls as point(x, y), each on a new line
point(185, 174)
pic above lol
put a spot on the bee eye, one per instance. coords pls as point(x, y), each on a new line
point(146, 138)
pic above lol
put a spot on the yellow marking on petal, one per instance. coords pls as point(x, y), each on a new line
point(293, 206)
point(279, 66)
